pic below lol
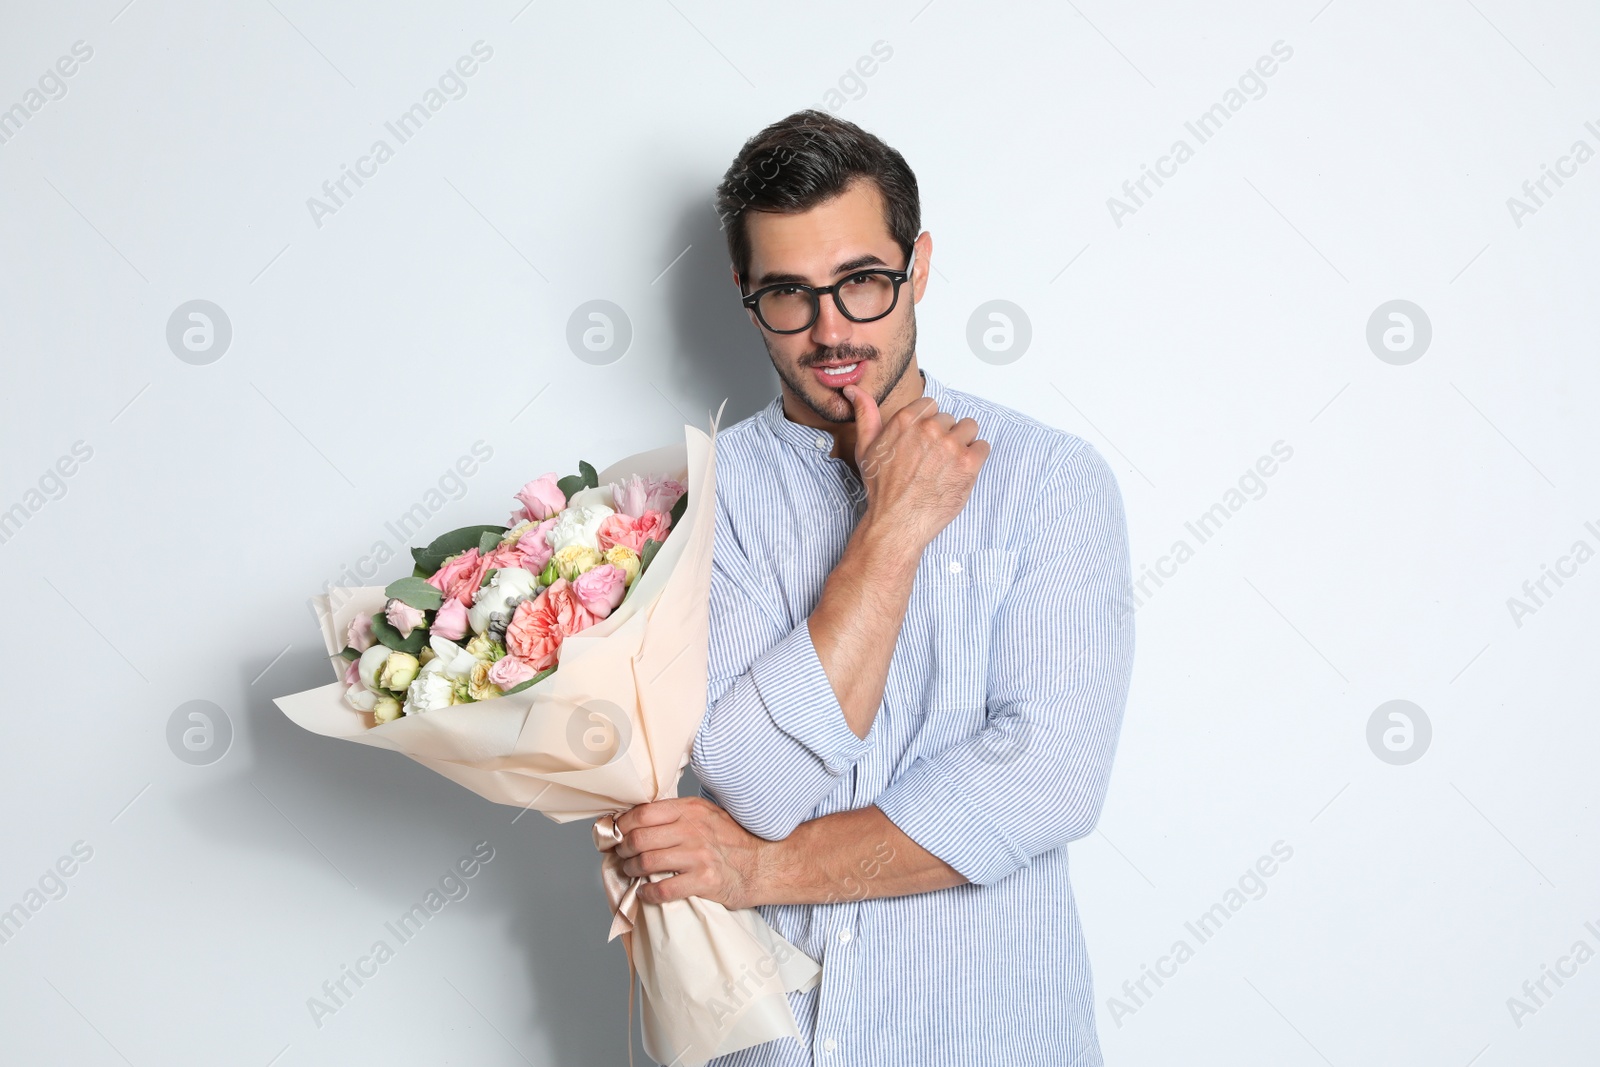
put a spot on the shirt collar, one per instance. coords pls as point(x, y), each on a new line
point(811, 439)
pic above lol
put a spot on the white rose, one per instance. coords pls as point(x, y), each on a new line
point(586, 498)
point(430, 691)
point(360, 697)
point(507, 585)
point(579, 526)
point(372, 661)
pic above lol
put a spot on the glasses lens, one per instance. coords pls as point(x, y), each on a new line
point(786, 309)
point(866, 296)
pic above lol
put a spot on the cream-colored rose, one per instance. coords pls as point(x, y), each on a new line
point(624, 557)
point(387, 709)
point(485, 648)
point(398, 671)
point(574, 560)
point(478, 685)
point(513, 535)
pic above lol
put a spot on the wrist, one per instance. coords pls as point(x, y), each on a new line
point(770, 868)
point(885, 545)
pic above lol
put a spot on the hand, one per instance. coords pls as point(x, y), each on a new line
point(713, 856)
point(918, 469)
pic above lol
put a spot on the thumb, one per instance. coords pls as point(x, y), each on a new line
point(869, 423)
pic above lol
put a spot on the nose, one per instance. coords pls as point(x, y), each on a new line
point(831, 328)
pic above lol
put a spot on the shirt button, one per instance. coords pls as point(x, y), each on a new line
point(829, 1045)
point(955, 566)
point(822, 442)
point(844, 937)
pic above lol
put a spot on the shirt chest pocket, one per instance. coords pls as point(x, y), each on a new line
point(941, 664)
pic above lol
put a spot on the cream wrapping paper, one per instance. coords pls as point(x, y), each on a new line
point(611, 728)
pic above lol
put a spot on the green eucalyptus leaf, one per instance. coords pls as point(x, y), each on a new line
point(677, 510)
point(570, 484)
point(591, 477)
point(488, 541)
point(414, 592)
point(446, 545)
point(488, 576)
point(648, 553)
point(391, 638)
point(349, 654)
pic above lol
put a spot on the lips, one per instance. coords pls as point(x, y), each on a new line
point(841, 378)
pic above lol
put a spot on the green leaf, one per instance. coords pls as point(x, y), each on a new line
point(349, 654)
point(535, 680)
point(488, 576)
point(488, 541)
point(446, 545)
point(571, 484)
point(391, 638)
point(414, 592)
point(678, 509)
point(648, 553)
point(591, 478)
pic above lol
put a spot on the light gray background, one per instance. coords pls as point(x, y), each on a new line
point(1227, 313)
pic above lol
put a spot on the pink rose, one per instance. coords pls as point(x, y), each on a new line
point(352, 673)
point(637, 494)
point(538, 626)
point(460, 577)
point(620, 529)
point(403, 616)
point(600, 589)
point(508, 672)
point(533, 635)
point(535, 546)
point(359, 635)
point(451, 620)
point(541, 498)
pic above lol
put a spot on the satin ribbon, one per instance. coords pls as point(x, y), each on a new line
point(623, 892)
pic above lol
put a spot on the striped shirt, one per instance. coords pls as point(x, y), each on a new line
point(991, 749)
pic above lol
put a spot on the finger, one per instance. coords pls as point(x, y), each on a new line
point(646, 838)
point(965, 431)
point(676, 887)
point(677, 859)
point(653, 813)
point(869, 422)
point(979, 448)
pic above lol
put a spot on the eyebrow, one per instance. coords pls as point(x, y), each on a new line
point(776, 278)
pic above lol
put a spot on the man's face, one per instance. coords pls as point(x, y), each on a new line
point(818, 247)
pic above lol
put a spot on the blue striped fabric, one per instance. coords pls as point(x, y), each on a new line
point(992, 747)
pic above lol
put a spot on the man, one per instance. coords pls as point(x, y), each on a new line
point(920, 650)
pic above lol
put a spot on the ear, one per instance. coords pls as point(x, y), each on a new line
point(924, 264)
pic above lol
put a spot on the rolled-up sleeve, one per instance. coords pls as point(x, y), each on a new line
point(774, 740)
point(1060, 663)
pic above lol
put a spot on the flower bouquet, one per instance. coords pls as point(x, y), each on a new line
point(558, 663)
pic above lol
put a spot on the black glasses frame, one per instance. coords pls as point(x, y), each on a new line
point(898, 277)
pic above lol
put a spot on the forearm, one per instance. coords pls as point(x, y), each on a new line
point(846, 856)
point(857, 620)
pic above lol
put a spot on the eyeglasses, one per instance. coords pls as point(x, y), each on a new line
point(865, 296)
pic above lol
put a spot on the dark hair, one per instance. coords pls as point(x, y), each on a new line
point(811, 156)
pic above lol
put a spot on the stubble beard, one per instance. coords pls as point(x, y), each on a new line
point(833, 405)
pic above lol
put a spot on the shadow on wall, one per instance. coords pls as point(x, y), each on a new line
point(342, 812)
point(715, 350)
